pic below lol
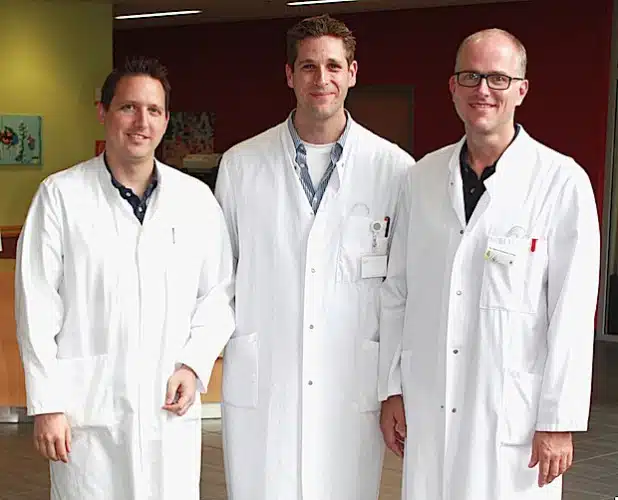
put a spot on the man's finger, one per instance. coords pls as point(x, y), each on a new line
point(60, 449)
point(396, 448)
point(50, 448)
point(185, 408)
point(184, 402)
point(394, 444)
point(401, 445)
point(172, 389)
point(68, 439)
point(569, 459)
point(534, 457)
point(181, 406)
point(390, 439)
point(554, 469)
point(41, 447)
point(543, 470)
point(400, 429)
point(174, 407)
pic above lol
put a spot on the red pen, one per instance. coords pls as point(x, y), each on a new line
point(533, 245)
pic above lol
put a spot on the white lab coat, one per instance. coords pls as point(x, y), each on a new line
point(106, 309)
point(490, 352)
point(301, 409)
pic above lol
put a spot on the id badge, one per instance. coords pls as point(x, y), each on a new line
point(502, 256)
point(373, 266)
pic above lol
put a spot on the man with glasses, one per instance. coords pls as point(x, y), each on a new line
point(486, 329)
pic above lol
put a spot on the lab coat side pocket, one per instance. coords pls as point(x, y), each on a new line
point(368, 375)
point(89, 392)
point(520, 402)
point(240, 371)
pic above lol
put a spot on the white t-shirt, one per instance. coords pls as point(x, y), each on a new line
point(318, 159)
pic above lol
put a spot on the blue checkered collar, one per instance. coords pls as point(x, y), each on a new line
point(299, 145)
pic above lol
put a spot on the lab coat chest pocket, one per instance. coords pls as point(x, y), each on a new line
point(356, 242)
point(520, 398)
point(367, 367)
point(89, 391)
point(513, 274)
point(240, 371)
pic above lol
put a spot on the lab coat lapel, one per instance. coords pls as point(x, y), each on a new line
point(455, 187)
point(291, 175)
point(509, 187)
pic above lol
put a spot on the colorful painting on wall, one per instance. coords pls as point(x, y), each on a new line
point(20, 140)
point(187, 133)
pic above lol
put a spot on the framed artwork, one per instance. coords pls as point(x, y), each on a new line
point(20, 140)
point(187, 133)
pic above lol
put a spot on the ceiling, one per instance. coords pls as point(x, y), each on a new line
point(237, 10)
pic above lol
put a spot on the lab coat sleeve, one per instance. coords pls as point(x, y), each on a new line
point(224, 192)
point(393, 300)
point(212, 322)
point(39, 307)
point(572, 281)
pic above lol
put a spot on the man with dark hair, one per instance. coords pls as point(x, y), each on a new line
point(309, 204)
point(136, 66)
point(123, 289)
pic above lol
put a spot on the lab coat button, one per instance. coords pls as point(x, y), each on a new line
point(459, 292)
point(442, 407)
point(461, 231)
point(310, 327)
point(454, 410)
point(455, 351)
point(311, 382)
point(313, 270)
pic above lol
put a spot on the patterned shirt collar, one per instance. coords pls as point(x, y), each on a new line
point(336, 152)
point(139, 205)
point(154, 181)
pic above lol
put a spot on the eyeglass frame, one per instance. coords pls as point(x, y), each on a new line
point(485, 76)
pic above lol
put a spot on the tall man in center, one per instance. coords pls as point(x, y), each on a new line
point(308, 203)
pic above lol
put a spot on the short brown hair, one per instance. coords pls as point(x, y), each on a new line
point(314, 27)
point(135, 66)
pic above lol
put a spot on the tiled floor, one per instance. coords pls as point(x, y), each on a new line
point(594, 475)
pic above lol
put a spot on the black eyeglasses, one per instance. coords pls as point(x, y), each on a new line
point(495, 81)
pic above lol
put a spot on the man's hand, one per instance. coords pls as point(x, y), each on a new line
point(52, 436)
point(181, 388)
point(553, 451)
point(393, 424)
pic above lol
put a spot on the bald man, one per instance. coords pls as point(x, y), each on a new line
point(486, 327)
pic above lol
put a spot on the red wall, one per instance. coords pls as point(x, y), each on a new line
point(237, 70)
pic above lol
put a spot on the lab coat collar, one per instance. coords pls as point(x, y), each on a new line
point(514, 169)
point(511, 180)
point(352, 129)
point(157, 198)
